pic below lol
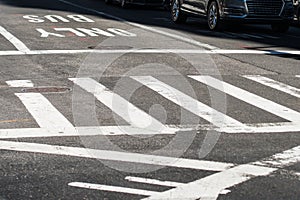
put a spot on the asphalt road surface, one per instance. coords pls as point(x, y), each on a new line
point(100, 102)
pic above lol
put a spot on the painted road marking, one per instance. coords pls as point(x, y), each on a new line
point(115, 156)
point(82, 131)
point(148, 51)
point(45, 114)
point(57, 18)
point(250, 98)
point(19, 83)
point(283, 159)
point(130, 113)
point(130, 130)
point(84, 32)
point(275, 85)
point(212, 186)
point(13, 40)
point(147, 28)
point(113, 188)
point(209, 114)
point(152, 181)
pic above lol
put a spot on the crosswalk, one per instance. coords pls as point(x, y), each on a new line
point(52, 121)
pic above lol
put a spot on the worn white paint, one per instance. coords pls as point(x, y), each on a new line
point(45, 114)
point(20, 83)
point(71, 30)
point(112, 188)
point(275, 84)
point(57, 18)
point(283, 159)
point(211, 186)
point(45, 34)
point(115, 156)
point(152, 181)
point(94, 32)
point(121, 32)
point(20, 46)
point(80, 131)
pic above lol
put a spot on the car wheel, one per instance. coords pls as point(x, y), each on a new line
point(176, 14)
point(213, 16)
point(281, 27)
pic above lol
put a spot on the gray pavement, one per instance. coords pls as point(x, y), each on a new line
point(100, 102)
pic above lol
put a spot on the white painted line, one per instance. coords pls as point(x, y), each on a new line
point(129, 130)
point(148, 28)
point(112, 188)
point(153, 181)
point(280, 160)
point(275, 85)
point(298, 76)
point(115, 156)
point(209, 114)
point(20, 83)
point(120, 106)
point(78, 131)
point(250, 98)
point(211, 186)
point(225, 191)
point(11, 53)
point(45, 114)
point(165, 51)
point(15, 41)
point(151, 51)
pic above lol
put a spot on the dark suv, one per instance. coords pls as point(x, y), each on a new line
point(278, 13)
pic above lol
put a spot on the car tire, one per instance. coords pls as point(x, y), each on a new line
point(280, 27)
point(213, 17)
point(176, 13)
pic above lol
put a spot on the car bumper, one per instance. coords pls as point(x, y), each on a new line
point(243, 13)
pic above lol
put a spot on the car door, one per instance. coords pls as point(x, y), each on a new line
point(195, 6)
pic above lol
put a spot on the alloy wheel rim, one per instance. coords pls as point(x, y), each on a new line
point(175, 10)
point(213, 16)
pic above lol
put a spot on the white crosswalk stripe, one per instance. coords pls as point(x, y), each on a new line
point(119, 105)
point(250, 98)
point(45, 114)
point(275, 84)
point(213, 116)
